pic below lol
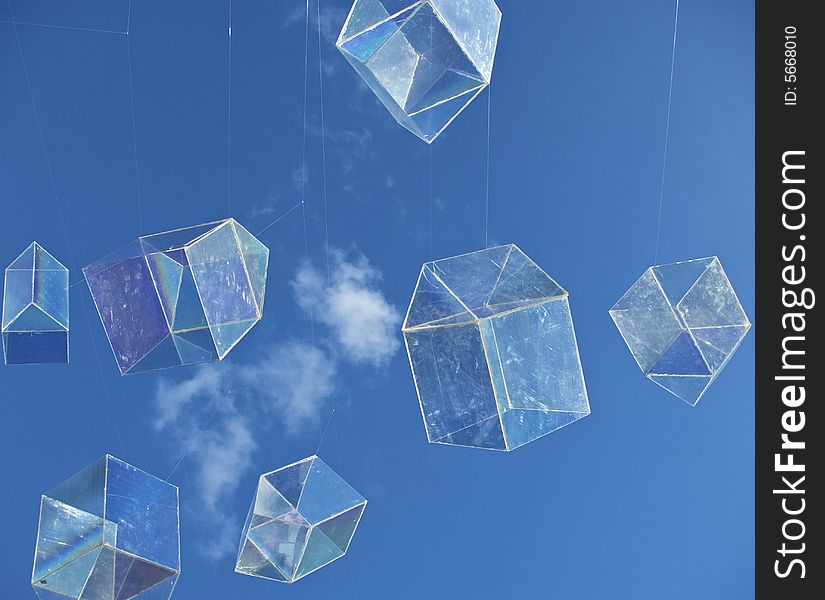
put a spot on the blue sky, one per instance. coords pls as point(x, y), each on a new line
point(645, 498)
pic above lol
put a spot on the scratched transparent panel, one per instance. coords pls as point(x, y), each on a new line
point(434, 304)
point(223, 286)
point(65, 534)
point(325, 494)
point(711, 302)
point(17, 294)
point(145, 509)
point(452, 378)
point(475, 25)
point(472, 277)
point(540, 358)
point(646, 320)
point(256, 259)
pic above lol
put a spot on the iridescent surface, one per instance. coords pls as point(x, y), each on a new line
point(181, 297)
point(36, 309)
point(303, 517)
point(493, 351)
point(110, 532)
point(682, 322)
point(426, 60)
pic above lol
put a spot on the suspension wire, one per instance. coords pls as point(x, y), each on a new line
point(304, 165)
point(667, 133)
point(229, 121)
point(47, 26)
point(134, 129)
point(487, 185)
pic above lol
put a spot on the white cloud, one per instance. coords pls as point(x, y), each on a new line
point(360, 318)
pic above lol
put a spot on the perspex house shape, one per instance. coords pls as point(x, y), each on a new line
point(682, 323)
point(35, 309)
point(110, 532)
point(182, 297)
point(426, 60)
point(304, 516)
point(493, 351)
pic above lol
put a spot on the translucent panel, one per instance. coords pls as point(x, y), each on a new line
point(281, 542)
point(289, 480)
point(475, 25)
point(677, 278)
point(646, 320)
point(129, 309)
point(472, 277)
point(540, 358)
point(86, 557)
point(687, 387)
point(682, 358)
point(25, 261)
point(71, 577)
point(424, 60)
point(160, 591)
point(181, 297)
point(452, 378)
point(36, 348)
point(101, 582)
point(319, 551)
point(17, 294)
point(84, 490)
point(434, 304)
point(519, 354)
point(340, 529)
point(145, 509)
point(256, 258)
point(325, 494)
point(693, 304)
point(34, 319)
point(223, 285)
point(65, 535)
point(717, 343)
point(301, 540)
point(712, 301)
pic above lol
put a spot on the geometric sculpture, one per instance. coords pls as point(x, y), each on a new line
point(110, 532)
point(36, 309)
point(682, 323)
point(493, 351)
point(181, 297)
point(426, 60)
point(303, 518)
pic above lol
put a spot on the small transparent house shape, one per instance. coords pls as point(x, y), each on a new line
point(110, 532)
point(181, 297)
point(493, 351)
point(682, 322)
point(36, 309)
point(303, 517)
point(426, 60)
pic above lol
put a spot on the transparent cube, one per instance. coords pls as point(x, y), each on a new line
point(182, 297)
point(303, 517)
point(425, 60)
point(36, 309)
point(110, 532)
point(493, 351)
point(682, 323)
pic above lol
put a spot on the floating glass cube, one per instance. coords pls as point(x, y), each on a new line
point(682, 323)
point(110, 532)
point(36, 309)
point(303, 518)
point(425, 60)
point(493, 351)
point(181, 297)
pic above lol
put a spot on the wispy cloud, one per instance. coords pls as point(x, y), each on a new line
point(216, 414)
point(352, 306)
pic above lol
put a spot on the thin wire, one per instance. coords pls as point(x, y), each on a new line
point(323, 141)
point(283, 216)
point(60, 214)
point(219, 405)
point(324, 432)
point(430, 195)
point(229, 122)
point(134, 129)
point(304, 163)
point(44, 25)
point(667, 133)
point(487, 195)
